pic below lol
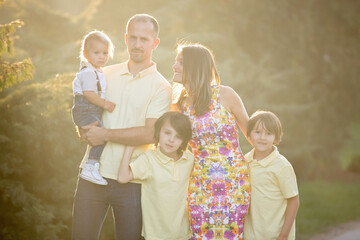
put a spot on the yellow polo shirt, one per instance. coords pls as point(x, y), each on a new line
point(163, 194)
point(146, 95)
point(273, 181)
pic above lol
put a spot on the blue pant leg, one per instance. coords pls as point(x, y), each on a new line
point(96, 151)
point(92, 202)
point(89, 211)
point(125, 200)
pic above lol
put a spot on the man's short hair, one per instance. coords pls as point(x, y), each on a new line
point(145, 18)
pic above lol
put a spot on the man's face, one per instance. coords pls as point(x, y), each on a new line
point(140, 41)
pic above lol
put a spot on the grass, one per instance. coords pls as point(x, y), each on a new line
point(325, 204)
point(322, 205)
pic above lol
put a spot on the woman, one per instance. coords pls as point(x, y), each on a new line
point(219, 189)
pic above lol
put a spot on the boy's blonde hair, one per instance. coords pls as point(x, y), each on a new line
point(96, 36)
point(270, 122)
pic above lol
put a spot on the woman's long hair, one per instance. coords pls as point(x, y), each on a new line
point(199, 73)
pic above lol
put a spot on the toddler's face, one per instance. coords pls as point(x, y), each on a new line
point(97, 53)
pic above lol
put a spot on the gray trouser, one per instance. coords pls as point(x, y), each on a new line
point(92, 202)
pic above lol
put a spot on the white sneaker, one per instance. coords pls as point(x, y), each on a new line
point(91, 173)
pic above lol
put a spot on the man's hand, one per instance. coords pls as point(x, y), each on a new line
point(109, 106)
point(84, 129)
point(94, 135)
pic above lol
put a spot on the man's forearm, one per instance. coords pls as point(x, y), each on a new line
point(130, 136)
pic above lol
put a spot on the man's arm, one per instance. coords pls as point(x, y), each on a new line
point(129, 136)
point(290, 214)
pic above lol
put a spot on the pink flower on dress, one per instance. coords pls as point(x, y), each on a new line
point(229, 235)
point(218, 189)
point(196, 218)
point(224, 151)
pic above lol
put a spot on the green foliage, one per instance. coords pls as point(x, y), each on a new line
point(6, 30)
point(350, 153)
point(326, 204)
point(51, 38)
point(12, 73)
point(39, 161)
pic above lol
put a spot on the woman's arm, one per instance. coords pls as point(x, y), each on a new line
point(290, 214)
point(98, 101)
point(125, 174)
point(232, 102)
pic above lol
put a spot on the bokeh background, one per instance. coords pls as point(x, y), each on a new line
point(299, 59)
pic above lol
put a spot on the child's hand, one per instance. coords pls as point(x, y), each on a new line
point(109, 106)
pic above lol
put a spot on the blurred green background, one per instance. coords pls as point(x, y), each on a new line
point(299, 59)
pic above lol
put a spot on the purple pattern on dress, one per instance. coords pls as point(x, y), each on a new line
point(219, 184)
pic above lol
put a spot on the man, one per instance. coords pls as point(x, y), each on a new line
point(141, 95)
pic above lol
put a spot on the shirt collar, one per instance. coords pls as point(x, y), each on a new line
point(143, 73)
point(265, 161)
point(165, 159)
point(88, 65)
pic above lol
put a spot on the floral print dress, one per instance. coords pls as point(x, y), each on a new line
point(219, 189)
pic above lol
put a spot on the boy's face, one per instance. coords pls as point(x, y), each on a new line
point(262, 139)
point(169, 140)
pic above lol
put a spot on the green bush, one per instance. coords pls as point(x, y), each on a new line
point(39, 160)
point(350, 153)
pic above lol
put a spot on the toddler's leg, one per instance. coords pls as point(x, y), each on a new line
point(90, 171)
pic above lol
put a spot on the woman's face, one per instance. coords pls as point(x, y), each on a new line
point(178, 68)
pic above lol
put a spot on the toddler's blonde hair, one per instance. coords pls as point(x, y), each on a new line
point(96, 36)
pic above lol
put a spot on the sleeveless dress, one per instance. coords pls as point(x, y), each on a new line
point(219, 188)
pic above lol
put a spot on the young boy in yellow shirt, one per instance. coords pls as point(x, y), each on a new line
point(274, 193)
point(164, 174)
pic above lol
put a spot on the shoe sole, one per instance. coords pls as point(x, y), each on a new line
point(92, 180)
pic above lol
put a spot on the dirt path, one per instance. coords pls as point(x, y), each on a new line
point(346, 231)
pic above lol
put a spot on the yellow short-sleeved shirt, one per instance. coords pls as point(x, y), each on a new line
point(273, 181)
point(164, 186)
point(146, 95)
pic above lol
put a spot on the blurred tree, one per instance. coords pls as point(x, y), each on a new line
point(12, 73)
point(350, 153)
point(39, 161)
point(52, 38)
